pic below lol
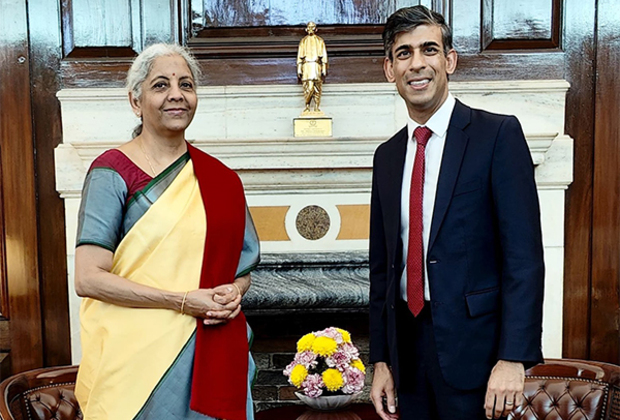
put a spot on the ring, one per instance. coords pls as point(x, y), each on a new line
point(509, 403)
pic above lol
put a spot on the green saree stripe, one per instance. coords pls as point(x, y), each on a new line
point(162, 177)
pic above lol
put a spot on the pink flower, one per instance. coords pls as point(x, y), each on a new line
point(306, 358)
point(289, 368)
point(353, 380)
point(350, 350)
point(313, 385)
point(338, 360)
point(330, 332)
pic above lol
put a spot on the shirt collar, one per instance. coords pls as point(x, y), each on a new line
point(439, 121)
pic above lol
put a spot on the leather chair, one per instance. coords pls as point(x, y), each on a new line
point(40, 394)
point(563, 389)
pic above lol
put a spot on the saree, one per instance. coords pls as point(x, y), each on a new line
point(156, 363)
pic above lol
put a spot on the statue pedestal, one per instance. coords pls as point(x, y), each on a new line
point(312, 124)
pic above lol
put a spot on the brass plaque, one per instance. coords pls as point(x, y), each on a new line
point(312, 127)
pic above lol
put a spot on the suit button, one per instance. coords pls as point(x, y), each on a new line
point(392, 307)
point(392, 266)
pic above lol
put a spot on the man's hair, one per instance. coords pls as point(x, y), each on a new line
point(409, 18)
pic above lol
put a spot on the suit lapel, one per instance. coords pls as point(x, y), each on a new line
point(395, 180)
point(454, 150)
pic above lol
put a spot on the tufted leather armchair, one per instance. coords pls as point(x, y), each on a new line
point(40, 394)
point(561, 389)
point(564, 389)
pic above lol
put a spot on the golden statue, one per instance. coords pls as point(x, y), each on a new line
point(311, 68)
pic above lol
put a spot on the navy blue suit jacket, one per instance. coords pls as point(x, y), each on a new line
point(485, 255)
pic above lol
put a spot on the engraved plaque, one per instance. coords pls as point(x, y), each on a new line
point(312, 127)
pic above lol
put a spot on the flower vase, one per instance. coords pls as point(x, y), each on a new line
point(328, 402)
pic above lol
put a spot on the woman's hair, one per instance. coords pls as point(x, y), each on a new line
point(143, 63)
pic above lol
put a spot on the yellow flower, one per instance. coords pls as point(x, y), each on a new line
point(332, 379)
point(357, 363)
point(305, 342)
point(346, 337)
point(298, 375)
point(324, 346)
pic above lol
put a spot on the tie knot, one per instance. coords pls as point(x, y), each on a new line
point(422, 134)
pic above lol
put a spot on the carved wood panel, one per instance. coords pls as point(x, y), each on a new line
point(520, 24)
point(116, 28)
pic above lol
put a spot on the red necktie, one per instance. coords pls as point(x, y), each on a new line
point(415, 252)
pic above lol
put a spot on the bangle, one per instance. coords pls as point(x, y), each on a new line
point(238, 289)
point(183, 302)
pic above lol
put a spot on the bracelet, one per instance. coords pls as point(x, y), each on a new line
point(183, 302)
point(238, 289)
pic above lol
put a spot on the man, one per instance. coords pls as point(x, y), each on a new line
point(312, 66)
point(456, 260)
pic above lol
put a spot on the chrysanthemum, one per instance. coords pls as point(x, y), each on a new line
point(333, 379)
point(359, 365)
point(298, 374)
point(313, 385)
point(346, 336)
point(305, 342)
point(324, 346)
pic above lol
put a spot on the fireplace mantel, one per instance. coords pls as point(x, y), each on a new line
point(250, 129)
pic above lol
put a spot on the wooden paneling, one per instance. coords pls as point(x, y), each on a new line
point(18, 188)
point(579, 39)
point(45, 55)
point(116, 28)
point(525, 24)
point(354, 69)
point(4, 296)
point(605, 306)
point(252, 13)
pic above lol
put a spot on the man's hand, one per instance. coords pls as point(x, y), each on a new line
point(383, 387)
point(505, 389)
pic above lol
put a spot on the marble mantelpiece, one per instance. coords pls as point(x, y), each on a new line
point(250, 128)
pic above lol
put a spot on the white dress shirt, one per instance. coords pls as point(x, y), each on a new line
point(438, 124)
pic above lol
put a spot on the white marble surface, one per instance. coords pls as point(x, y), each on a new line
point(250, 128)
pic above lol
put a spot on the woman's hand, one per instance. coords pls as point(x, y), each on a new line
point(200, 303)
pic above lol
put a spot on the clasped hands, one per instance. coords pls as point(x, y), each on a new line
point(214, 306)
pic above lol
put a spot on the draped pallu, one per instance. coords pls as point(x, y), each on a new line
point(192, 236)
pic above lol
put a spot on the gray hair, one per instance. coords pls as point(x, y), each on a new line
point(409, 18)
point(142, 64)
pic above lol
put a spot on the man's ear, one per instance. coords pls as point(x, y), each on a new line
point(451, 60)
point(388, 70)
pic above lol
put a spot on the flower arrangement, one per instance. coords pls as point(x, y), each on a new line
point(327, 363)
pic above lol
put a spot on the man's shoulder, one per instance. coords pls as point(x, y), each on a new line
point(393, 142)
point(480, 116)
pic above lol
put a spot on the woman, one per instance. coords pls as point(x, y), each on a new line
point(165, 245)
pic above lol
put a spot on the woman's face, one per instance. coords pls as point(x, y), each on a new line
point(169, 99)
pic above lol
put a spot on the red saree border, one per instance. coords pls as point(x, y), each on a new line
point(219, 381)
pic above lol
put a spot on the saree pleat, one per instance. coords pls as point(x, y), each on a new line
point(127, 351)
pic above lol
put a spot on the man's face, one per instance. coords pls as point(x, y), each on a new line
point(420, 70)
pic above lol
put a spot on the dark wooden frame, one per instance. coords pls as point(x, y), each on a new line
point(68, 44)
point(18, 189)
point(491, 43)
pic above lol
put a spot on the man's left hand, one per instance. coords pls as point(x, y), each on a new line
point(505, 389)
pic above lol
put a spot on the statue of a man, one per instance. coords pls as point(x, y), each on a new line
point(312, 67)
